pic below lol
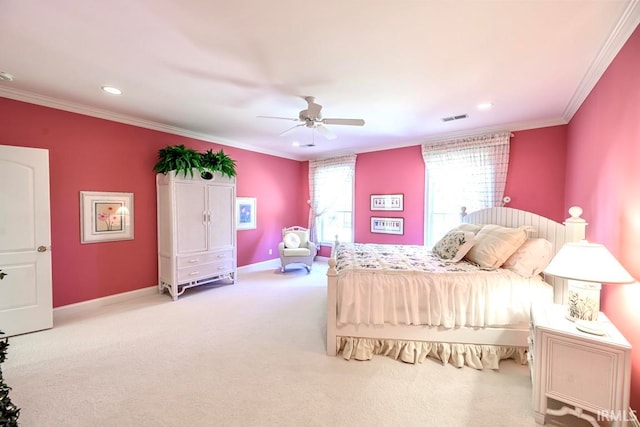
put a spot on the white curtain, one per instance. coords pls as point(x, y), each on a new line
point(470, 172)
point(326, 178)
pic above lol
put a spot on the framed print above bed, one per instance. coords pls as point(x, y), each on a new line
point(105, 216)
point(387, 225)
point(387, 202)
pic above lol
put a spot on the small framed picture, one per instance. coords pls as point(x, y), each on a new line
point(387, 202)
point(105, 216)
point(246, 213)
point(387, 225)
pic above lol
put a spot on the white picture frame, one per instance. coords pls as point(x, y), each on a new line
point(105, 216)
point(387, 202)
point(386, 225)
point(246, 213)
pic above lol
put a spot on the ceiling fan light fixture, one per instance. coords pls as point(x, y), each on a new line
point(5, 77)
point(112, 90)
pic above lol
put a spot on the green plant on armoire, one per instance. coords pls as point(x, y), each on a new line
point(178, 158)
point(183, 160)
point(9, 413)
point(218, 162)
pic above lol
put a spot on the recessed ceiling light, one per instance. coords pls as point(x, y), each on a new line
point(484, 106)
point(295, 143)
point(112, 90)
point(6, 77)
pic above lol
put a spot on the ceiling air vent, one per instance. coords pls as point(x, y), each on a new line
point(452, 118)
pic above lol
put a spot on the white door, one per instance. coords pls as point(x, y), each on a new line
point(25, 241)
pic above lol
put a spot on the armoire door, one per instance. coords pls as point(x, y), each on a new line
point(191, 217)
point(222, 207)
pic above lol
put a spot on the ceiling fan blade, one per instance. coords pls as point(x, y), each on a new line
point(326, 132)
point(288, 131)
point(348, 122)
point(280, 118)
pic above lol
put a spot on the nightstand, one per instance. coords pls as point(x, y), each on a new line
point(588, 373)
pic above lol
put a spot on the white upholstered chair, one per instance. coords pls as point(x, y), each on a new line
point(296, 247)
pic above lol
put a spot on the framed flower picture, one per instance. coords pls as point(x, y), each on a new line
point(246, 213)
point(105, 216)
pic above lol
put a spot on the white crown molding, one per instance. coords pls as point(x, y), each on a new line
point(513, 127)
point(510, 127)
point(45, 101)
point(627, 23)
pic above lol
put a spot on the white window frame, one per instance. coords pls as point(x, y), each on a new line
point(481, 161)
point(321, 209)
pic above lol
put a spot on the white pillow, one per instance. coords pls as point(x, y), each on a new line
point(469, 227)
point(530, 258)
point(454, 245)
point(495, 244)
point(291, 241)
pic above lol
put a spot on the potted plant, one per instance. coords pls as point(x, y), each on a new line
point(9, 413)
point(184, 160)
point(178, 158)
point(218, 162)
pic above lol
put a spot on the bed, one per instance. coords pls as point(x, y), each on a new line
point(393, 300)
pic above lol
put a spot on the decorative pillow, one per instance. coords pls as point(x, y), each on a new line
point(291, 241)
point(454, 245)
point(495, 244)
point(474, 228)
point(530, 258)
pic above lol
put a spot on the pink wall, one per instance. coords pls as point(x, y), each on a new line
point(603, 176)
point(276, 184)
point(390, 172)
point(92, 154)
point(535, 181)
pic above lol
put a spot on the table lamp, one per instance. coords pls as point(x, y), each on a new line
point(586, 266)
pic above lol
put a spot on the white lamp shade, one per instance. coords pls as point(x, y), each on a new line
point(588, 262)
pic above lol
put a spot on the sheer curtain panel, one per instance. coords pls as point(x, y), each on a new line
point(331, 198)
point(468, 172)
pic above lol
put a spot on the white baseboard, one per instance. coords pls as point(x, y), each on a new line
point(258, 265)
point(65, 311)
point(62, 312)
point(275, 263)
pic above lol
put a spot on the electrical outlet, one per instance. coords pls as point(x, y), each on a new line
point(270, 251)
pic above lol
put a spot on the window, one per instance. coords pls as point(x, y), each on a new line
point(469, 172)
point(331, 183)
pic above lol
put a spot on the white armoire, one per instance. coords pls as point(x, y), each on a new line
point(196, 231)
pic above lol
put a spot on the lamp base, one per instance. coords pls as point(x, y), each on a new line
point(593, 328)
point(584, 300)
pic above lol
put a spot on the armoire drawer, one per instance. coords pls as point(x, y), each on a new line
point(203, 271)
point(185, 261)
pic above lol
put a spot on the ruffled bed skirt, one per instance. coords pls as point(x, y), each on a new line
point(474, 355)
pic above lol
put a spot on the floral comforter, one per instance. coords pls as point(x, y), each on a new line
point(408, 284)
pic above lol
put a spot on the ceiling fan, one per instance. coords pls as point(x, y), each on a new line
point(311, 118)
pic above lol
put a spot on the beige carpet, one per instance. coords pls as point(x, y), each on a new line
point(250, 354)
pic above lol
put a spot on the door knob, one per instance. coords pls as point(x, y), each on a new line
point(42, 248)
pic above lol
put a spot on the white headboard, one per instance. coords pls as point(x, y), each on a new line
point(573, 230)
